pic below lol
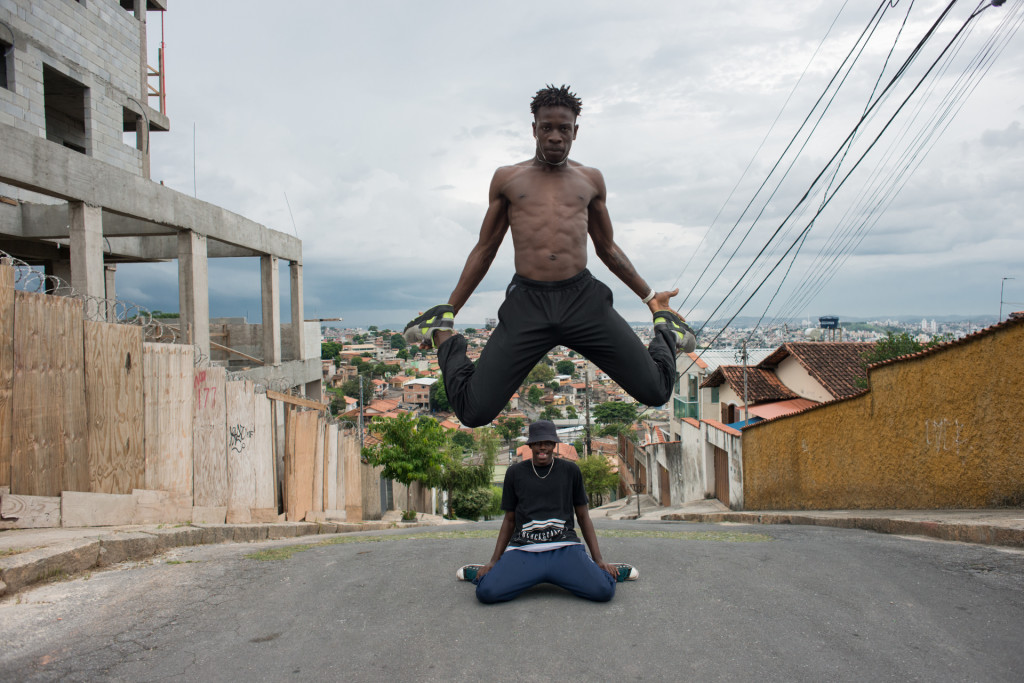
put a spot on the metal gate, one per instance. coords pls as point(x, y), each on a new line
point(721, 475)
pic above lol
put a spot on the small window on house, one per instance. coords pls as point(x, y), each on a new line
point(64, 104)
point(128, 5)
point(6, 62)
point(714, 394)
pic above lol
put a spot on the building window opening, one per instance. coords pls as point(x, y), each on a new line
point(6, 62)
point(64, 103)
point(129, 126)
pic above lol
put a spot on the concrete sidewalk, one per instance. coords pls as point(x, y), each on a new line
point(1003, 526)
point(29, 556)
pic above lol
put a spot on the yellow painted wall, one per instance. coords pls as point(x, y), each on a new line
point(943, 430)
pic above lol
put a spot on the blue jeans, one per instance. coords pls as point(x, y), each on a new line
point(569, 567)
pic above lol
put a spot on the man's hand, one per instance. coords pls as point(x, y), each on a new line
point(484, 569)
point(607, 567)
point(660, 301)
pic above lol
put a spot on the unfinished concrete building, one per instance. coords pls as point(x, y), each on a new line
point(76, 196)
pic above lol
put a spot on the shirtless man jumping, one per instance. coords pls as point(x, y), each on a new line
point(551, 204)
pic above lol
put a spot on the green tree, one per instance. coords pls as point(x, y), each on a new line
point(565, 367)
point(372, 329)
point(329, 350)
point(410, 450)
point(439, 396)
point(464, 440)
point(534, 395)
point(570, 412)
point(351, 388)
point(509, 428)
point(470, 330)
point(458, 476)
point(551, 413)
point(598, 478)
point(398, 341)
point(893, 346)
point(403, 354)
point(495, 509)
point(540, 373)
point(612, 412)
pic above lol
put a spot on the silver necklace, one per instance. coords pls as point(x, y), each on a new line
point(550, 470)
point(540, 157)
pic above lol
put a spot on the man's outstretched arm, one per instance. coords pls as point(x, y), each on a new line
point(599, 225)
point(590, 537)
point(508, 525)
point(492, 232)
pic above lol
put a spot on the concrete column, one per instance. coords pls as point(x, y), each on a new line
point(86, 225)
point(298, 327)
point(109, 273)
point(271, 298)
point(141, 123)
point(194, 289)
point(314, 390)
point(59, 269)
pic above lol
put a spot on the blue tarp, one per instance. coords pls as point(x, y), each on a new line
point(754, 419)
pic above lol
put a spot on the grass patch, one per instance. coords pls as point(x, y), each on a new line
point(286, 551)
point(7, 552)
point(181, 562)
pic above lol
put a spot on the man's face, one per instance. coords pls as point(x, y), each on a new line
point(555, 128)
point(543, 452)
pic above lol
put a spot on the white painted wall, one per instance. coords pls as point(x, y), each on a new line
point(794, 376)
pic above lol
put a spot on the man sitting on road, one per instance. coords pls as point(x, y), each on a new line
point(537, 542)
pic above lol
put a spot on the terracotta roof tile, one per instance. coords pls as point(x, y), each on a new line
point(762, 384)
point(834, 365)
point(723, 427)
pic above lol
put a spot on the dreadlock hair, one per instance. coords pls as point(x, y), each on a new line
point(551, 96)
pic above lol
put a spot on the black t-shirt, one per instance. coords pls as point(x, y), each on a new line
point(543, 507)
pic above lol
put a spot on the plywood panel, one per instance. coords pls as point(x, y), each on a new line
point(6, 369)
point(263, 453)
point(319, 467)
point(161, 507)
point(96, 509)
point(241, 451)
point(331, 479)
point(168, 389)
point(29, 512)
point(114, 407)
point(350, 455)
point(209, 439)
point(299, 455)
point(49, 443)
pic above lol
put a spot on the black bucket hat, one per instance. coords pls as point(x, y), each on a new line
point(542, 430)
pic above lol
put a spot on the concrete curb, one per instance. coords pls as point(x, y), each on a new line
point(67, 558)
point(964, 532)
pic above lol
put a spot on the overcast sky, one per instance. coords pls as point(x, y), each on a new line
point(383, 122)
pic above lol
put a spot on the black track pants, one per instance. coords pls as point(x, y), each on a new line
point(534, 318)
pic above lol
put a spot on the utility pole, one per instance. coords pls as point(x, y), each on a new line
point(743, 357)
point(1001, 284)
point(586, 405)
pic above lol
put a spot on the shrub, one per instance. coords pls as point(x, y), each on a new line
point(471, 504)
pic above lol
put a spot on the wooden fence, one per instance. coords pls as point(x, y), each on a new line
point(99, 426)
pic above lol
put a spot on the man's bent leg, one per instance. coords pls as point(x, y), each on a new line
point(572, 569)
point(598, 332)
point(514, 572)
point(478, 392)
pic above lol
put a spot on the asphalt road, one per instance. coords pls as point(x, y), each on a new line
point(787, 604)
